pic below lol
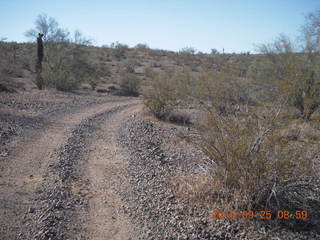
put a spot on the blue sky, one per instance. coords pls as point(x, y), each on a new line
point(235, 25)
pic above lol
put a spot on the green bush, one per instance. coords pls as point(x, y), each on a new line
point(161, 98)
point(223, 90)
point(65, 81)
point(62, 78)
point(294, 68)
point(9, 64)
point(67, 65)
point(292, 75)
point(130, 85)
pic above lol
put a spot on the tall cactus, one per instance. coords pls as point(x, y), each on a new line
point(39, 80)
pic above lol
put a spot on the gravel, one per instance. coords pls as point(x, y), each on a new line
point(150, 199)
point(59, 214)
point(22, 113)
point(151, 202)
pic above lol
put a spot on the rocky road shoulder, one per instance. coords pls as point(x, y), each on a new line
point(151, 198)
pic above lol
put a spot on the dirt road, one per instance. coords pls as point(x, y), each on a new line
point(59, 182)
point(98, 168)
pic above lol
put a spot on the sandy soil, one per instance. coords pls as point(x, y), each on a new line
point(23, 174)
point(106, 170)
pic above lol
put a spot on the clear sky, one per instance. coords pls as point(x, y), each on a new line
point(235, 25)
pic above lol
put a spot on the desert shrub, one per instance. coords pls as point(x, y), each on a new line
point(223, 90)
point(65, 67)
point(214, 51)
point(149, 72)
point(129, 65)
point(161, 98)
point(93, 83)
point(9, 58)
point(119, 50)
point(188, 50)
point(263, 87)
point(170, 88)
point(293, 69)
point(130, 84)
point(67, 59)
point(65, 81)
point(250, 167)
point(236, 64)
point(142, 46)
point(184, 84)
point(28, 62)
point(186, 57)
point(217, 62)
point(293, 75)
point(60, 78)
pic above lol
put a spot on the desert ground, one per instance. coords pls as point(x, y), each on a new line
point(97, 158)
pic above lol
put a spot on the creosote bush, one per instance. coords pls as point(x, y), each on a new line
point(294, 75)
point(161, 99)
point(222, 90)
point(252, 168)
point(65, 81)
point(61, 79)
point(294, 68)
point(130, 85)
point(9, 64)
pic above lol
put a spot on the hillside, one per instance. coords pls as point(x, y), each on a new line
point(136, 143)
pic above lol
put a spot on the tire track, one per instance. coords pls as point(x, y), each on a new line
point(27, 175)
point(66, 195)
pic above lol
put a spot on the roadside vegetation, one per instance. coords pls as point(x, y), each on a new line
point(260, 113)
point(261, 125)
point(67, 61)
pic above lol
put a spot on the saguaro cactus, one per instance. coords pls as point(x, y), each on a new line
point(39, 80)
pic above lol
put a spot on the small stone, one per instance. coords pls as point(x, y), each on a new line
point(4, 153)
point(31, 210)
